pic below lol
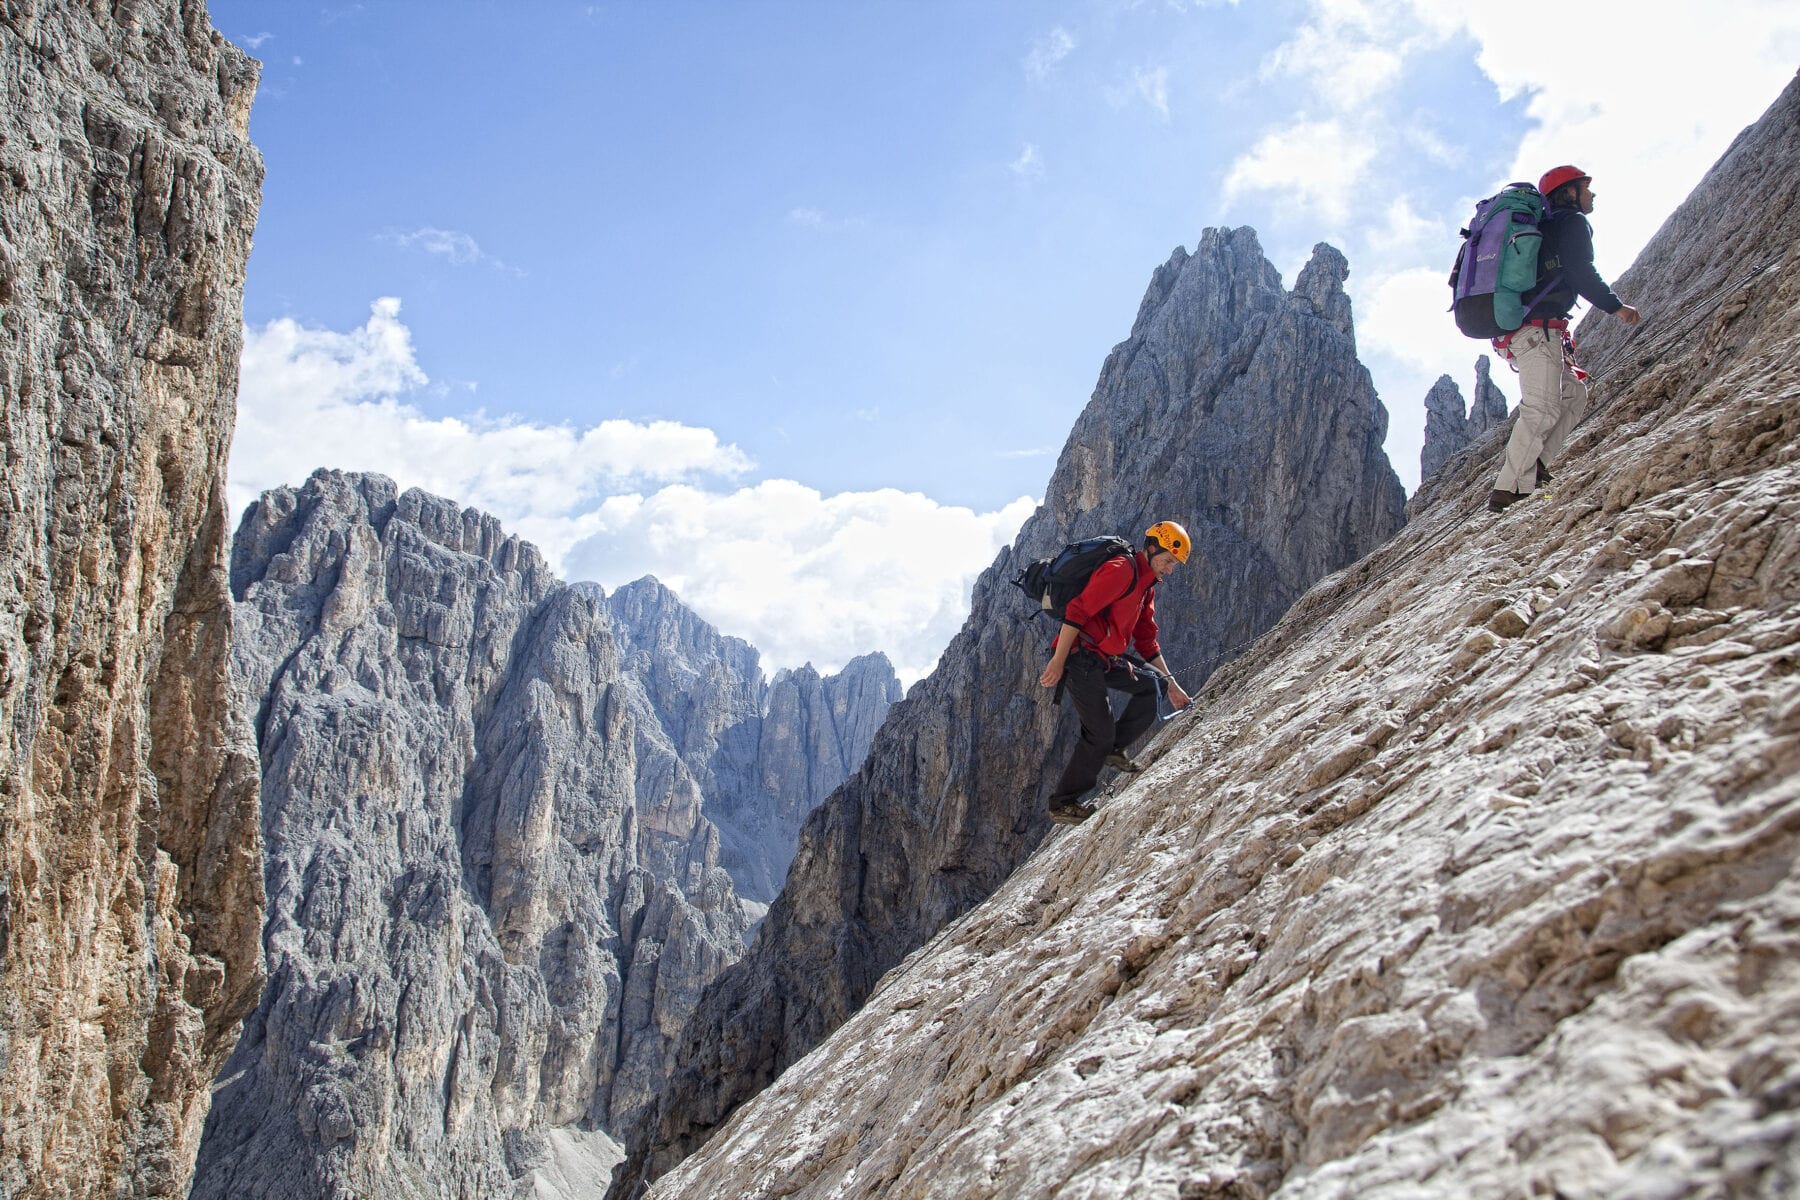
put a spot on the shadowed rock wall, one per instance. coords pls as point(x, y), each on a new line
point(130, 872)
point(493, 897)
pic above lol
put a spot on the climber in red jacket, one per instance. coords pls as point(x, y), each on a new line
point(1117, 608)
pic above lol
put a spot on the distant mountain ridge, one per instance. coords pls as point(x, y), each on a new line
point(767, 752)
point(494, 890)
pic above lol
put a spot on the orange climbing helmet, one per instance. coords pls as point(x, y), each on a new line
point(1171, 537)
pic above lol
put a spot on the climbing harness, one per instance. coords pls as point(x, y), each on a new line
point(1503, 344)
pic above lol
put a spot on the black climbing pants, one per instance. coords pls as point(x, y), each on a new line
point(1087, 679)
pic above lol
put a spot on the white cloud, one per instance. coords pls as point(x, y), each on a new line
point(803, 576)
point(1029, 165)
point(1152, 86)
point(1643, 96)
point(311, 398)
point(257, 41)
point(1429, 143)
point(818, 218)
point(1148, 86)
point(1314, 166)
point(1342, 55)
point(1048, 52)
point(453, 246)
point(1033, 452)
point(1400, 235)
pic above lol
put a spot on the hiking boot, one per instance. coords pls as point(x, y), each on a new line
point(1543, 473)
point(1498, 500)
point(1122, 761)
point(1072, 814)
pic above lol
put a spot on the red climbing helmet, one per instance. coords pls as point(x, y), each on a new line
point(1555, 177)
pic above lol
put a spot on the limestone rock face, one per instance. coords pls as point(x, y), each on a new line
point(765, 753)
point(1446, 426)
point(1474, 878)
point(1448, 430)
point(818, 731)
point(1235, 407)
point(493, 894)
point(130, 872)
point(1488, 409)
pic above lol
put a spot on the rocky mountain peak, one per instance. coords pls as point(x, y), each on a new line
point(1446, 426)
point(1488, 408)
point(1321, 285)
point(765, 753)
point(1232, 407)
point(503, 818)
point(1449, 430)
point(492, 885)
point(1474, 877)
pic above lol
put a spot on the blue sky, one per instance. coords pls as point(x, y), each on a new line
point(793, 304)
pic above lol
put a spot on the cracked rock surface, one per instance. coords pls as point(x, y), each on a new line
point(494, 889)
point(130, 867)
point(765, 752)
point(1235, 406)
point(493, 896)
point(1474, 878)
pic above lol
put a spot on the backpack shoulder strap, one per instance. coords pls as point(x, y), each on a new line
point(1132, 586)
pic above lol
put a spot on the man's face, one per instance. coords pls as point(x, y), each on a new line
point(1584, 199)
point(1164, 564)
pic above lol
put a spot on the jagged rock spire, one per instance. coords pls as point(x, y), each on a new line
point(1236, 407)
point(1447, 429)
point(1488, 409)
point(1446, 426)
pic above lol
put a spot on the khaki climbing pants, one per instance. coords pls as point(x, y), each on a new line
point(1551, 401)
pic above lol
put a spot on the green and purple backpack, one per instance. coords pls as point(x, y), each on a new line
point(1494, 284)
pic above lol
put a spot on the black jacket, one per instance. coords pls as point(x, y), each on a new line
point(1568, 252)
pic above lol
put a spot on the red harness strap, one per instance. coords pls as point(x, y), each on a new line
point(1503, 344)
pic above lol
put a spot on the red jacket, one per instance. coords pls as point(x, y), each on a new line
point(1110, 611)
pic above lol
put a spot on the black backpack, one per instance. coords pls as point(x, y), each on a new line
point(1053, 582)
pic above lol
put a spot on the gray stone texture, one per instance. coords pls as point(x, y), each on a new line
point(766, 753)
point(1475, 878)
point(1488, 409)
point(1236, 407)
point(130, 879)
point(495, 890)
point(1448, 430)
point(493, 896)
point(1446, 426)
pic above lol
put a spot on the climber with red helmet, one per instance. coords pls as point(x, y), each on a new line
point(1116, 609)
point(1552, 394)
